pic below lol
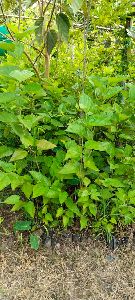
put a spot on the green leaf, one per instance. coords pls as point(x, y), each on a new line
point(39, 189)
point(7, 167)
point(83, 222)
point(111, 92)
point(6, 70)
point(89, 163)
point(15, 180)
point(65, 221)
point(86, 181)
point(76, 5)
point(39, 29)
point(27, 189)
point(22, 225)
point(27, 140)
point(62, 197)
point(93, 209)
point(34, 241)
point(5, 151)
point(72, 206)
point(48, 217)
point(17, 206)
point(7, 117)
point(77, 128)
point(39, 177)
point(7, 46)
point(19, 154)
point(100, 146)
point(69, 168)
point(59, 212)
point(132, 92)
point(63, 25)
point(12, 199)
point(114, 182)
point(51, 40)
point(30, 208)
point(34, 88)
point(29, 121)
point(74, 152)
point(4, 181)
point(21, 75)
point(86, 103)
point(45, 145)
point(102, 119)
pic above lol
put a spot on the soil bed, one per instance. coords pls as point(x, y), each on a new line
point(73, 269)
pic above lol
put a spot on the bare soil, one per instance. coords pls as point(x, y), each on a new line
point(85, 270)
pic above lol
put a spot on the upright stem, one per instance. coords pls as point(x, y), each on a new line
point(19, 23)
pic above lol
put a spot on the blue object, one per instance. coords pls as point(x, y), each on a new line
point(4, 38)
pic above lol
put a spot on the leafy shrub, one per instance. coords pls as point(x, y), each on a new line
point(68, 155)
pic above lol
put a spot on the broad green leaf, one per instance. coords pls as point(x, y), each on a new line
point(39, 189)
point(69, 168)
point(100, 146)
point(45, 145)
point(114, 182)
point(86, 181)
point(17, 206)
point(72, 206)
point(21, 75)
point(4, 180)
point(34, 241)
point(63, 25)
point(62, 197)
point(51, 40)
point(77, 128)
point(29, 121)
point(74, 152)
point(48, 217)
point(18, 51)
point(29, 208)
point(39, 177)
point(12, 199)
point(15, 180)
point(27, 140)
point(22, 225)
point(86, 103)
point(7, 117)
point(89, 163)
point(93, 209)
point(7, 46)
point(7, 97)
point(102, 119)
point(6, 70)
point(76, 5)
point(27, 189)
point(83, 222)
point(34, 88)
point(111, 92)
point(59, 212)
point(52, 193)
point(65, 221)
point(7, 167)
point(5, 151)
point(19, 154)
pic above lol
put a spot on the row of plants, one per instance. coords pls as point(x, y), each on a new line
point(66, 142)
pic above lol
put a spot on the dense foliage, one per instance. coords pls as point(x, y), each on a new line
point(67, 142)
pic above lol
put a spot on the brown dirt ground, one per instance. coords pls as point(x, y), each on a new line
point(86, 271)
